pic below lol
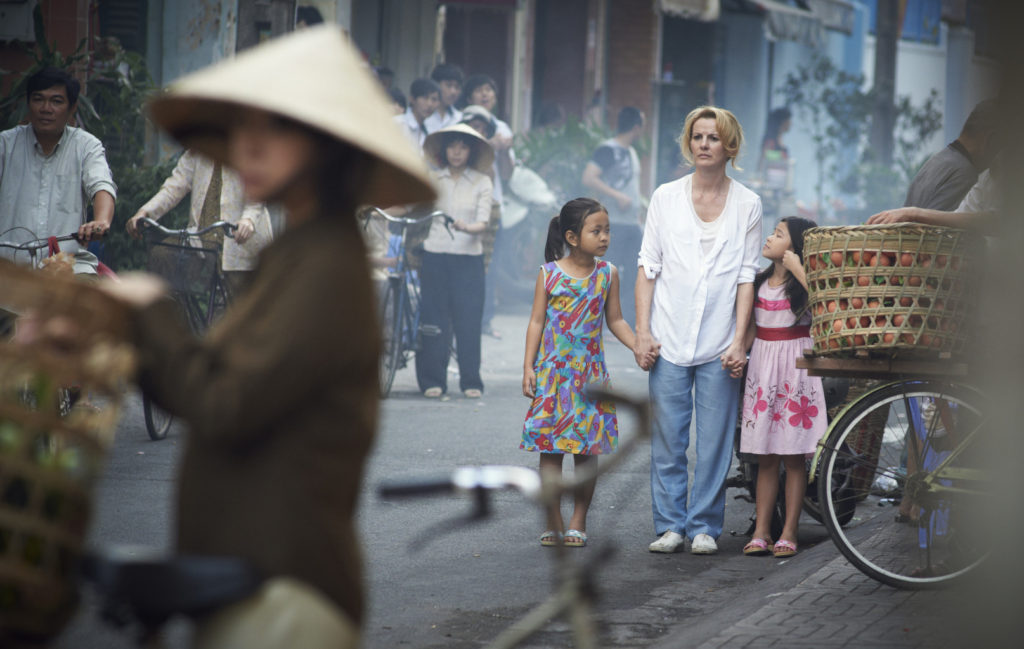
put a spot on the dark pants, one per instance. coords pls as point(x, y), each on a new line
point(623, 251)
point(452, 293)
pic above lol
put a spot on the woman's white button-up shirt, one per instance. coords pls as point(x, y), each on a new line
point(693, 312)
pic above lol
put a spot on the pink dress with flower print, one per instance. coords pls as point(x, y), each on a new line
point(783, 408)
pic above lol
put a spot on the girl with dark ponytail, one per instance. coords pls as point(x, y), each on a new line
point(564, 353)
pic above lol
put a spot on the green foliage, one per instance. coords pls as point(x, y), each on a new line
point(118, 85)
point(837, 113)
point(559, 154)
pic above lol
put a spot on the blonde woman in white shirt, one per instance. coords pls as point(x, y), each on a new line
point(694, 297)
point(452, 275)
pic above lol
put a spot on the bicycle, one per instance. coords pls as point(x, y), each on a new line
point(191, 266)
point(575, 590)
point(914, 444)
point(400, 299)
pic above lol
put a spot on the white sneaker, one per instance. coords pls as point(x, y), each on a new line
point(703, 544)
point(669, 542)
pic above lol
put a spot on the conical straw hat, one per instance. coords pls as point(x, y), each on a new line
point(484, 153)
point(314, 77)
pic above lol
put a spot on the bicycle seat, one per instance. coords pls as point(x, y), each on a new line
point(151, 588)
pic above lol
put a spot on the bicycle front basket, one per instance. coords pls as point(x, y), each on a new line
point(188, 269)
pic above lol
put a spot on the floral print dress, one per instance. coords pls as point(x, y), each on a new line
point(561, 419)
point(783, 407)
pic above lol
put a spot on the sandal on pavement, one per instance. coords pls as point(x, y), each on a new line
point(432, 393)
point(757, 547)
point(783, 549)
point(472, 393)
point(550, 538)
point(575, 539)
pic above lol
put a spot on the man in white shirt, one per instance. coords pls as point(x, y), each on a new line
point(50, 172)
point(424, 98)
point(449, 78)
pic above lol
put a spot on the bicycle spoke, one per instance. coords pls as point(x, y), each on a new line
point(896, 462)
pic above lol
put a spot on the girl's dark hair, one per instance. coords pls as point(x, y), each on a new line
point(795, 291)
point(448, 138)
point(570, 219)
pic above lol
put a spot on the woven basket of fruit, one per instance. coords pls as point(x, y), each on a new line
point(58, 411)
point(889, 289)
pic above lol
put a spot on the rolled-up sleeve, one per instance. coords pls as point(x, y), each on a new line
point(95, 170)
point(650, 247)
point(751, 245)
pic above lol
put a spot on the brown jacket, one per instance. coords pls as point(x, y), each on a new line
point(281, 397)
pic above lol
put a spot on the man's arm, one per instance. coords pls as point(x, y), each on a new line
point(103, 216)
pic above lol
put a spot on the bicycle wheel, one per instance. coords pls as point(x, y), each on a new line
point(908, 459)
point(158, 421)
point(391, 334)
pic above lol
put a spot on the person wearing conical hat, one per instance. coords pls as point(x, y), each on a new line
point(280, 396)
point(452, 275)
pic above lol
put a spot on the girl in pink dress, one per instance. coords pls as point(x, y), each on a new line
point(783, 408)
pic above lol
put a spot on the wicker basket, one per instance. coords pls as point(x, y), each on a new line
point(50, 455)
point(889, 289)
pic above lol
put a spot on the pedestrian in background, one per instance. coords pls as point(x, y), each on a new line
point(481, 90)
point(216, 194)
point(944, 180)
point(700, 252)
point(784, 412)
point(424, 98)
point(575, 293)
point(452, 273)
point(614, 173)
point(449, 78)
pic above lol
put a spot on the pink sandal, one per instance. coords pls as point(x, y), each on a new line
point(757, 547)
point(783, 549)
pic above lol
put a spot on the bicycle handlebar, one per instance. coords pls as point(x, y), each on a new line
point(414, 220)
point(37, 244)
point(228, 228)
point(468, 479)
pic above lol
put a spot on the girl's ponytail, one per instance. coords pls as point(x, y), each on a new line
point(554, 246)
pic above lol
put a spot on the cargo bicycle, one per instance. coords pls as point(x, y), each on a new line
point(906, 461)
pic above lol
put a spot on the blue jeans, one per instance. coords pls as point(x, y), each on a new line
point(673, 391)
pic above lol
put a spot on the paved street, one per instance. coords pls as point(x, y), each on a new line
point(436, 583)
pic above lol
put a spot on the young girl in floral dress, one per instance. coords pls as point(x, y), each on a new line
point(783, 408)
point(575, 292)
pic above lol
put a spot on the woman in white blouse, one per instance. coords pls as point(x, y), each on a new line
point(694, 298)
point(452, 275)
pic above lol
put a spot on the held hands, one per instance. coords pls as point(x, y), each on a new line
point(734, 359)
point(646, 351)
point(529, 383)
